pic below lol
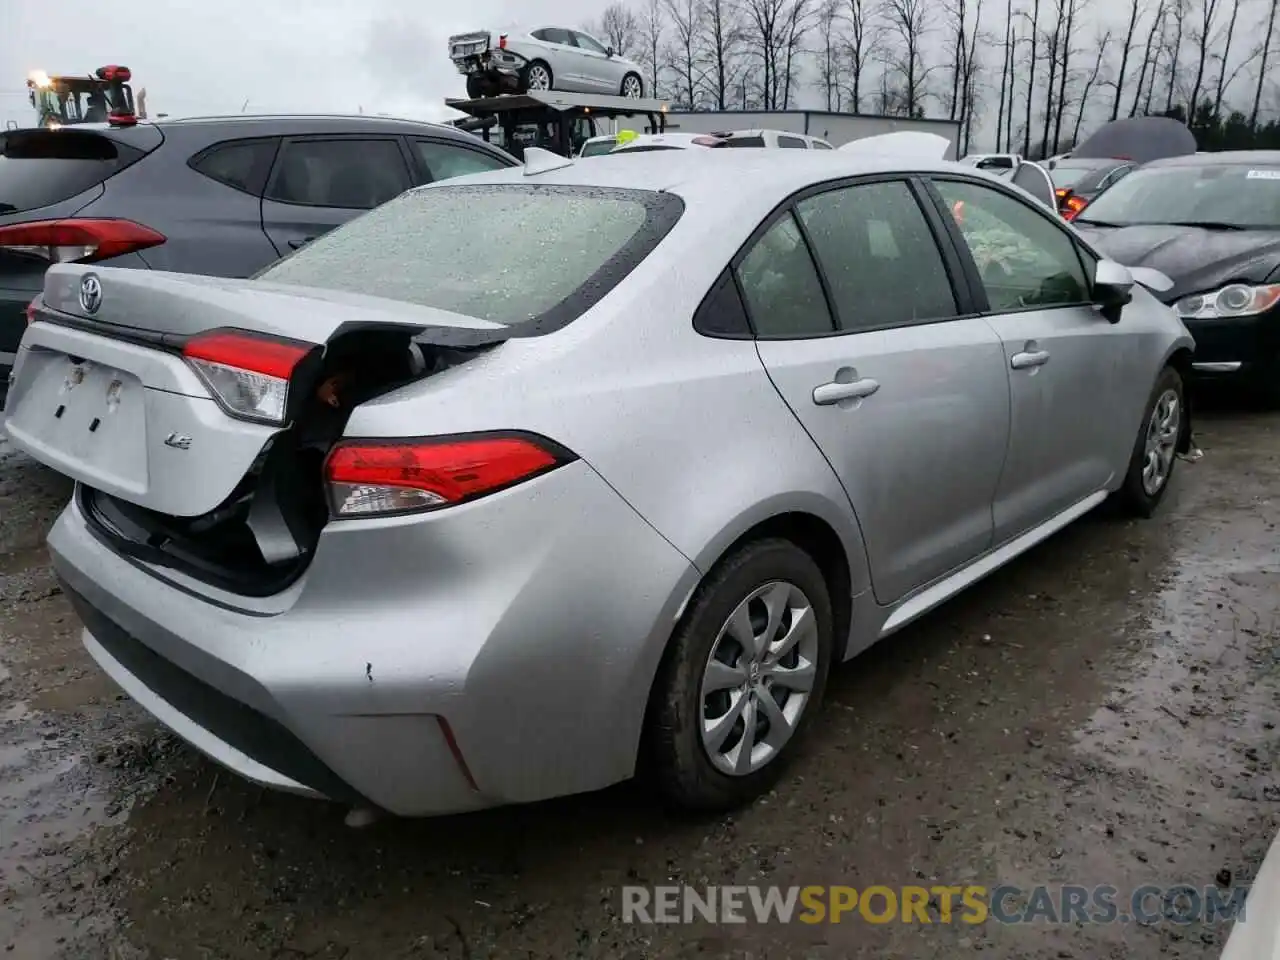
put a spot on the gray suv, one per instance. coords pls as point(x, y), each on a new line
point(222, 196)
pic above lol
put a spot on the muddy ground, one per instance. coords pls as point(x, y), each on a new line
point(1103, 711)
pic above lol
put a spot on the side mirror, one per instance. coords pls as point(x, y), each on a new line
point(1112, 288)
point(608, 51)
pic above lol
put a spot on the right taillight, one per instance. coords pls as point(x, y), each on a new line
point(83, 241)
point(368, 478)
point(1071, 209)
point(247, 372)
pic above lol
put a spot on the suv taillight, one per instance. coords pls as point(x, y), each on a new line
point(248, 373)
point(81, 241)
point(369, 478)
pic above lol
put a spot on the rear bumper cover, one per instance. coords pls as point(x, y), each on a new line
point(531, 622)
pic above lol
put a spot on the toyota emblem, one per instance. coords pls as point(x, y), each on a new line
point(90, 293)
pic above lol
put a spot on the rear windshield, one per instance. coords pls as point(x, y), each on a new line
point(646, 148)
point(42, 167)
point(528, 256)
point(1068, 175)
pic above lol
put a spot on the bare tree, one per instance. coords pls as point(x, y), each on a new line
point(797, 24)
point(774, 29)
point(830, 62)
point(908, 23)
point(1004, 74)
point(685, 49)
point(1202, 34)
point(1072, 10)
point(957, 12)
point(1262, 67)
point(1135, 11)
point(863, 29)
point(722, 23)
point(1149, 60)
point(1031, 75)
point(649, 34)
point(1052, 42)
point(1226, 57)
point(1177, 13)
point(969, 87)
point(619, 27)
point(1102, 42)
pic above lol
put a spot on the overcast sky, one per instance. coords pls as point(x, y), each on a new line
point(199, 57)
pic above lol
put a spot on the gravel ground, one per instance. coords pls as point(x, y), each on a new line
point(1103, 711)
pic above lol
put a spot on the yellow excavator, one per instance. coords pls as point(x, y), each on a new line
point(105, 96)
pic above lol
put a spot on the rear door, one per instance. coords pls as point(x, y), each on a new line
point(321, 182)
point(564, 58)
point(1065, 363)
point(879, 357)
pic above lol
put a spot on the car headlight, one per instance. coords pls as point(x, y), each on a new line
point(1236, 300)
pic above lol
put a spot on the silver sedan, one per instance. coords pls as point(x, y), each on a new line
point(527, 481)
point(545, 58)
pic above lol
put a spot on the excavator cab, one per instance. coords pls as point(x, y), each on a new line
point(103, 97)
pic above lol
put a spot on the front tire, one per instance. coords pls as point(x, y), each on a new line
point(475, 88)
point(1155, 450)
point(632, 86)
point(743, 678)
point(538, 78)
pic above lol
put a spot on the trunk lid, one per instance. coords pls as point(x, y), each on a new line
point(102, 393)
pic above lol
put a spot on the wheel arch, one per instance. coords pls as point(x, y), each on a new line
point(1180, 359)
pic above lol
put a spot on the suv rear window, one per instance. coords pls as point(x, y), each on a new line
point(532, 257)
point(41, 167)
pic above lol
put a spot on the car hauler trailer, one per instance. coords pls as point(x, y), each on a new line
point(552, 120)
point(835, 128)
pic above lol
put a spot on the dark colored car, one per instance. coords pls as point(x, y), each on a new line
point(221, 196)
point(1211, 223)
point(1078, 180)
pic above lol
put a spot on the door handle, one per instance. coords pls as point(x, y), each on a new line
point(834, 392)
point(299, 244)
point(1029, 358)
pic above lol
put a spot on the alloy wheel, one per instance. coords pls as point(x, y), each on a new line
point(1161, 442)
point(759, 678)
point(539, 79)
point(631, 87)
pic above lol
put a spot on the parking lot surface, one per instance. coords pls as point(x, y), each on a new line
point(1102, 711)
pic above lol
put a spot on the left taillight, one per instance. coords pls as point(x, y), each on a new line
point(78, 241)
point(369, 478)
point(248, 373)
point(31, 311)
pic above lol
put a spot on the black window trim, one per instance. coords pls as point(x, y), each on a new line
point(262, 167)
point(970, 267)
point(961, 283)
point(422, 173)
point(405, 158)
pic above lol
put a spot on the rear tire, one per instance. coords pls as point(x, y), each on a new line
point(475, 88)
point(769, 583)
point(632, 86)
point(1155, 449)
point(538, 78)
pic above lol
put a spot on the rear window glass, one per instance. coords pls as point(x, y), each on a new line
point(1065, 175)
point(598, 147)
point(745, 141)
point(646, 148)
point(533, 257)
point(42, 167)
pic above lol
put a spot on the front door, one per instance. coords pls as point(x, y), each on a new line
point(1065, 362)
point(907, 399)
point(319, 183)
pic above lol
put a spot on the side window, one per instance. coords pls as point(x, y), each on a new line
point(879, 256)
point(445, 160)
point(556, 35)
point(1115, 176)
point(589, 43)
point(352, 174)
point(721, 313)
point(241, 164)
point(794, 143)
point(822, 145)
point(539, 35)
point(781, 286)
point(1025, 260)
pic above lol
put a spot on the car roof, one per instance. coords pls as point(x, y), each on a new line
point(287, 124)
point(1223, 159)
point(719, 176)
